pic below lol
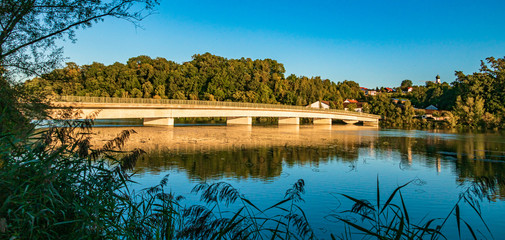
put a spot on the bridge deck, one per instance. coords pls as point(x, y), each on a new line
point(162, 111)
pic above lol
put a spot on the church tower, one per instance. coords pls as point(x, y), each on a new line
point(437, 80)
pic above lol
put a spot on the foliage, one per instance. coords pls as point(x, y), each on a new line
point(483, 93)
point(469, 112)
point(351, 107)
point(29, 31)
point(395, 114)
point(55, 186)
point(248, 222)
point(475, 100)
point(441, 95)
point(15, 114)
point(30, 28)
point(488, 84)
point(206, 77)
point(406, 84)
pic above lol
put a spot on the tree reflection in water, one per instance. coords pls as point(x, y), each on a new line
point(211, 152)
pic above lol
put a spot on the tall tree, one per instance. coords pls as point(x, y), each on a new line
point(489, 84)
point(470, 111)
point(406, 84)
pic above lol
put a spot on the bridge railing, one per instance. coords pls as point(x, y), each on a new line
point(85, 99)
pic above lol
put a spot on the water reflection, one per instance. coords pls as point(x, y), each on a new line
point(242, 152)
point(263, 161)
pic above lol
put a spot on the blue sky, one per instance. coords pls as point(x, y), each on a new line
point(375, 43)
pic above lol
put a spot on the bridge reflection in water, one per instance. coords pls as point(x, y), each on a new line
point(202, 138)
point(208, 152)
point(259, 152)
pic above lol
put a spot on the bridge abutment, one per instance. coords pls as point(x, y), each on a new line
point(158, 121)
point(371, 123)
point(239, 121)
point(289, 121)
point(322, 121)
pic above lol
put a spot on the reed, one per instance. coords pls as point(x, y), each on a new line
point(391, 219)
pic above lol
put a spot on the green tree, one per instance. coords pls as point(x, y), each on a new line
point(28, 44)
point(488, 84)
point(470, 111)
point(136, 93)
point(408, 114)
point(351, 107)
point(366, 108)
point(147, 87)
point(332, 105)
point(406, 84)
point(160, 91)
point(450, 119)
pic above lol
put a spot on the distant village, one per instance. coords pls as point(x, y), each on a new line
point(431, 112)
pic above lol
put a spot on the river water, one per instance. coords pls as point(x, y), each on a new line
point(264, 161)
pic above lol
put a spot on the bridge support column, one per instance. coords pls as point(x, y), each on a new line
point(322, 121)
point(350, 121)
point(289, 121)
point(239, 121)
point(371, 123)
point(158, 121)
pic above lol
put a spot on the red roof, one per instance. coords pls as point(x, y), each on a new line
point(352, 100)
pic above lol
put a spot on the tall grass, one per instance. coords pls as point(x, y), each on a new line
point(391, 219)
point(54, 185)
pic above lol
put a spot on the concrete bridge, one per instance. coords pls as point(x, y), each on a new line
point(164, 111)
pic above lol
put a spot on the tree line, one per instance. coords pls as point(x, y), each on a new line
point(473, 100)
point(205, 77)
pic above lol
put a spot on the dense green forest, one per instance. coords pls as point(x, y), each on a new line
point(206, 77)
point(474, 101)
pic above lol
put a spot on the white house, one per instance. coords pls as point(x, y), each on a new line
point(320, 104)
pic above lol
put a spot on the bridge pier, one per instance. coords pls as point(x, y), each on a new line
point(239, 121)
point(162, 112)
point(289, 121)
point(158, 121)
point(322, 121)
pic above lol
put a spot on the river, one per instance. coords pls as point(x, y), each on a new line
point(264, 161)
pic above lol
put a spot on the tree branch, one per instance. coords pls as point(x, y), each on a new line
point(17, 16)
point(109, 13)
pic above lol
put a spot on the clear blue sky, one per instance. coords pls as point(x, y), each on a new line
point(375, 43)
